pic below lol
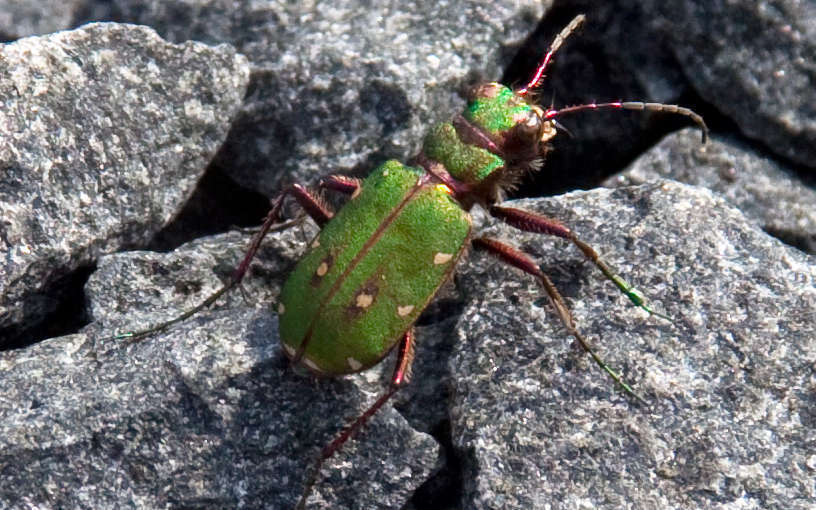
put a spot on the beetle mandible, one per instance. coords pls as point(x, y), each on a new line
point(378, 262)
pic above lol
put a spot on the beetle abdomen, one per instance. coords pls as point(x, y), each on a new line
point(372, 270)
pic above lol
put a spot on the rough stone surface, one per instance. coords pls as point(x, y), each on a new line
point(104, 132)
point(750, 62)
point(754, 62)
point(729, 382)
point(206, 415)
point(336, 85)
point(783, 204)
point(21, 18)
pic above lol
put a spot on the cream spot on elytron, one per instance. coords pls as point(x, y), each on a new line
point(354, 364)
point(402, 311)
point(281, 309)
point(311, 364)
point(441, 258)
point(385, 173)
point(364, 300)
point(322, 269)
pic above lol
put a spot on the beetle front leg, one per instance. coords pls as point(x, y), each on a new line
point(401, 376)
point(314, 207)
point(532, 222)
point(518, 259)
point(310, 203)
point(342, 183)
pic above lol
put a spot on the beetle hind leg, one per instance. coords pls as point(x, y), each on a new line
point(401, 376)
point(532, 222)
point(520, 260)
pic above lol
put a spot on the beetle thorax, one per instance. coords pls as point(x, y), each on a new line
point(488, 147)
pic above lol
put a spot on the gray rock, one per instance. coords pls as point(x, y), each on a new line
point(754, 62)
point(103, 134)
point(342, 85)
point(728, 381)
point(21, 18)
point(762, 188)
point(744, 65)
point(205, 415)
point(208, 415)
point(534, 420)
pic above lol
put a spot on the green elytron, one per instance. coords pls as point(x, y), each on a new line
point(352, 296)
point(378, 262)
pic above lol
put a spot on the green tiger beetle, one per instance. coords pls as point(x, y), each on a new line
point(377, 262)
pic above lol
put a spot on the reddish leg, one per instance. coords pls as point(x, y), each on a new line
point(402, 374)
point(520, 260)
point(341, 183)
point(310, 203)
point(532, 222)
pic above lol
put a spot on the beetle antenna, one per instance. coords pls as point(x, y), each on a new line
point(634, 105)
point(554, 46)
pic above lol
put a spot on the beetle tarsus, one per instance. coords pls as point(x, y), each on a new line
point(521, 260)
point(401, 376)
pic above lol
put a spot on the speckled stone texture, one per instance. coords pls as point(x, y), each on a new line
point(104, 131)
point(729, 381)
point(340, 84)
point(761, 187)
point(504, 411)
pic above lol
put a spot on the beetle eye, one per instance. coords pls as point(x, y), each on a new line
point(529, 124)
point(533, 121)
point(547, 131)
point(542, 130)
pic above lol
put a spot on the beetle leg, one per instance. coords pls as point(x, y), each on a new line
point(517, 258)
point(310, 203)
point(402, 374)
point(342, 183)
point(532, 222)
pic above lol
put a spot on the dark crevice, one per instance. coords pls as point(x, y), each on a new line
point(443, 490)
point(603, 142)
point(441, 309)
point(65, 298)
point(796, 240)
point(217, 205)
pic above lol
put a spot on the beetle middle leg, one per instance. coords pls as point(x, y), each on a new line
point(401, 376)
point(532, 222)
point(310, 203)
point(521, 260)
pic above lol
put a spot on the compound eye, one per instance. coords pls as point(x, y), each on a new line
point(529, 123)
point(533, 121)
point(545, 129)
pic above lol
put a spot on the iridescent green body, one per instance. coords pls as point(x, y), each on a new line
point(372, 270)
point(376, 265)
point(497, 109)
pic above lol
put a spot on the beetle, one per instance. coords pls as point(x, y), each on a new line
point(377, 263)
